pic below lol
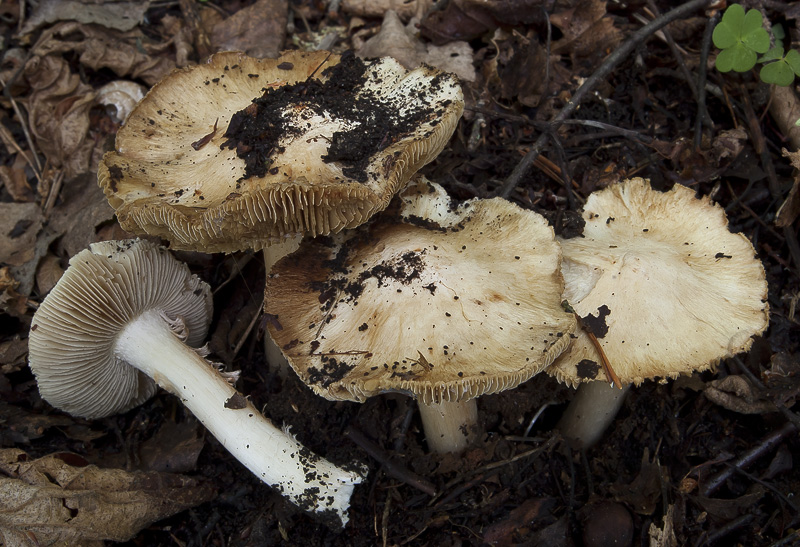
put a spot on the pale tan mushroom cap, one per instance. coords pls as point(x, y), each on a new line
point(75, 328)
point(682, 290)
point(159, 184)
point(464, 303)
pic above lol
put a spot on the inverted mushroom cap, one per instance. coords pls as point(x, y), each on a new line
point(462, 302)
point(75, 328)
point(676, 290)
point(228, 155)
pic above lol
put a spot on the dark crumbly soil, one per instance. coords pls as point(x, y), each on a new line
point(256, 130)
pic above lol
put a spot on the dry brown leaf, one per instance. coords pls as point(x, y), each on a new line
point(468, 19)
point(13, 352)
point(59, 113)
point(19, 224)
point(118, 15)
point(588, 31)
point(73, 221)
point(129, 54)
point(15, 181)
point(790, 208)
point(21, 425)
point(644, 493)
point(399, 41)
point(76, 219)
point(519, 69)
point(174, 448)
point(48, 273)
point(406, 9)
point(61, 499)
point(738, 395)
point(259, 29)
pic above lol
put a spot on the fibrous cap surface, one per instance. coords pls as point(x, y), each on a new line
point(443, 303)
point(675, 288)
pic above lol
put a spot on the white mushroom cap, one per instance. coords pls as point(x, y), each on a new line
point(71, 345)
point(175, 174)
point(462, 302)
point(677, 289)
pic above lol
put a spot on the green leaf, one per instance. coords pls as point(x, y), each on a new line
point(793, 60)
point(772, 55)
point(752, 22)
point(777, 73)
point(728, 32)
point(737, 58)
point(758, 39)
point(778, 32)
point(724, 37)
point(734, 18)
point(741, 30)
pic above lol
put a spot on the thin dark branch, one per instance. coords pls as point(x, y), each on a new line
point(766, 446)
point(702, 76)
point(392, 468)
point(621, 53)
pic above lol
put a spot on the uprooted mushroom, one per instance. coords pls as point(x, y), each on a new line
point(114, 327)
point(662, 286)
point(243, 153)
point(439, 302)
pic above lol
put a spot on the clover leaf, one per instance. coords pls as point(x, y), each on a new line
point(739, 36)
point(783, 70)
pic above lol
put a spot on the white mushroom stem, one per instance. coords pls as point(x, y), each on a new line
point(449, 426)
point(313, 483)
point(590, 412)
point(272, 254)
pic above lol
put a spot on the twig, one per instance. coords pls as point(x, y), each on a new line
point(767, 445)
point(676, 52)
point(36, 165)
point(621, 53)
point(487, 471)
point(731, 526)
point(248, 330)
point(392, 468)
point(52, 194)
point(702, 75)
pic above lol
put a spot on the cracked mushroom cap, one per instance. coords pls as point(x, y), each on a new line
point(448, 306)
point(75, 328)
point(663, 284)
point(239, 153)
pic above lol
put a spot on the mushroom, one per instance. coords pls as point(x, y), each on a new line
point(244, 153)
point(666, 289)
point(114, 327)
point(241, 153)
point(441, 302)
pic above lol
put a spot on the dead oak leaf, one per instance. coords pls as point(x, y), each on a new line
point(60, 499)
